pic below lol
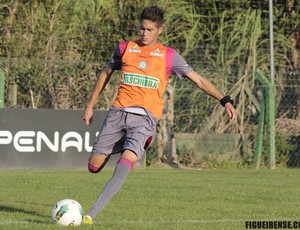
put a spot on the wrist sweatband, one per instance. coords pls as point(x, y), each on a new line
point(225, 100)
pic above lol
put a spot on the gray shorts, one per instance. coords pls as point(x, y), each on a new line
point(122, 130)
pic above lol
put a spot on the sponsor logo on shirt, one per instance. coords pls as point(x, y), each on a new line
point(156, 53)
point(142, 64)
point(140, 80)
point(135, 49)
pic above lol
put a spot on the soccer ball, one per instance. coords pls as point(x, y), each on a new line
point(67, 212)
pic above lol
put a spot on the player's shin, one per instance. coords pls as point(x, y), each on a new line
point(115, 183)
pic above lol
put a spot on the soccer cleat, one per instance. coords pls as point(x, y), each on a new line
point(88, 220)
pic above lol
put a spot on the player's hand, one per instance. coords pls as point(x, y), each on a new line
point(230, 111)
point(88, 116)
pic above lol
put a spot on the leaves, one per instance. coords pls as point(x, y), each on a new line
point(53, 49)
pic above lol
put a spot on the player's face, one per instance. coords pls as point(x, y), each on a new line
point(149, 32)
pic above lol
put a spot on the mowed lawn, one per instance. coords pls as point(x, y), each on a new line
point(154, 198)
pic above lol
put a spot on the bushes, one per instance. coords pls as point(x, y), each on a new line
point(189, 155)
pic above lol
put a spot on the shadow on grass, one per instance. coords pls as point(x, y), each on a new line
point(39, 221)
point(32, 213)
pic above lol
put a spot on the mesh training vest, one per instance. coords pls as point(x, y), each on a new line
point(144, 76)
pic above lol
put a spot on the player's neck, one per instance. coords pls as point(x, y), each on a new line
point(140, 43)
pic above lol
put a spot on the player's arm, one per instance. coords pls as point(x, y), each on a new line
point(100, 84)
point(102, 80)
point(206, 86)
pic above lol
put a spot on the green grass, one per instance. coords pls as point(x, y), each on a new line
point(153, 198)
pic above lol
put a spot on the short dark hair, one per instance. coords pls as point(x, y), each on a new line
point(154, 14)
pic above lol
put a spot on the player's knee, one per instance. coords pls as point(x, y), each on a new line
point(94, 169)
point(96, 163)
point(126, 161)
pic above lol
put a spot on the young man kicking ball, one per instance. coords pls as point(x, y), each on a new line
point(130, 126)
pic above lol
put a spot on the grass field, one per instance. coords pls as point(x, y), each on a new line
point(154, 198)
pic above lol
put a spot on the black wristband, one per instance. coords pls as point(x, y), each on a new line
point(225, 100)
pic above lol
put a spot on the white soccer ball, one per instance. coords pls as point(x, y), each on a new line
point(67, 212)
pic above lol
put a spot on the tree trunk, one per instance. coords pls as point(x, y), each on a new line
point(166, 146)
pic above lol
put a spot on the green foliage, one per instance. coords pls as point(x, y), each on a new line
point(53, 49)
point(283, 149)
point(194, 107)
point(188, 157)
point(185, 156)
point(226, 161)
point(151, 155)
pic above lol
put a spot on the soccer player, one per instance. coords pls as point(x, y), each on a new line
point(130, 126)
